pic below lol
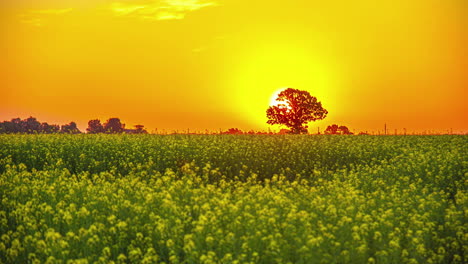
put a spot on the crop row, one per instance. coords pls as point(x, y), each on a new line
point(233, 199)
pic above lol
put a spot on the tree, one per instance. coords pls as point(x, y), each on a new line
point(295, 110)
point(337, 130)
point(70, 128)
point(95, 126)
point(233, 131)
point(344, 130)
point(332, 130)
point(114, 126)
point(140, 129)
point(49, 129)
point(15, 125)
point(30, 125)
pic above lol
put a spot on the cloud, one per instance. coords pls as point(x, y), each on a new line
point(160, 9)
point(37, 17)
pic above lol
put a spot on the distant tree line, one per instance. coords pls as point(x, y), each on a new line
point(32, 126)
point(237, 131)
point(112, 126)
point(331, 130)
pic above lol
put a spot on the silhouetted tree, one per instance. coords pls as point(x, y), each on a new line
point(95, 126)
point(139, 129)
point(337, 130)
point(295, 110)
point(49, 129)
point(70, 129)
point(5, 127)
point(233, 131)
point(332, 130)
point(114, 126)
point(30, 125)
point(344, 130)
point(15, 126)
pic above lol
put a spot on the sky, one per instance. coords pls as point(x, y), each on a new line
point(208, 65)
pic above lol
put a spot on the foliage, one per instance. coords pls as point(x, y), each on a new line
point(296, 109)
point(338, 130)
point(32, 126)
point(233, 131)
point(70, 128)
point(95, 127)
point(49, 129)
point(139, 129)
point(29, 125)
point(114, 126)
point(233, 199)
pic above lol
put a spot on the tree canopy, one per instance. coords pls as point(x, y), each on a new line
point(114, 126)
point(95, 127)
point(338, 130)
point(29, 125)
point(70, 128)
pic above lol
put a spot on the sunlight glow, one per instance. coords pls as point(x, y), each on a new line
point(274, 96)
point(287, 63)
point(215, 64)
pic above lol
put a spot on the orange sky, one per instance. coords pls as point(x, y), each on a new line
point(178, 64)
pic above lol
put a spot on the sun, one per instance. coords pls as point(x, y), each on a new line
point(274, 102)
point(274, 96)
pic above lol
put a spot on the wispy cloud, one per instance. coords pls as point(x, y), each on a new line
point(160, 9)
point(37, 17)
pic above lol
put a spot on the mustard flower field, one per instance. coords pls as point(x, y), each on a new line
point(233, 199)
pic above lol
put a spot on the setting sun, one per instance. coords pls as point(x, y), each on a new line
point(273, 101)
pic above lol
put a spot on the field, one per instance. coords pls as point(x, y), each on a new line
point(233, 199)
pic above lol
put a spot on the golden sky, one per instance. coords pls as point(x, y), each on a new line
point(195, 64)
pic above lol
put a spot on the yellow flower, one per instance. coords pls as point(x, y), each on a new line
point(421, 249)
point(377, 236)
point(209, 240)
